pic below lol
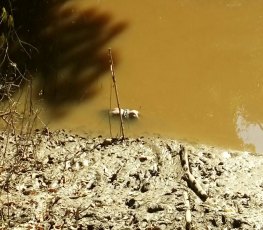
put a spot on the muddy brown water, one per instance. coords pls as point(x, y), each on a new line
point(194, 70)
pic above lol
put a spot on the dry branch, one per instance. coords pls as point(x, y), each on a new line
point(188, 217)
point(116, 91)
point(189, 178)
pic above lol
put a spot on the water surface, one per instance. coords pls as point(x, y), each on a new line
point(194, 70)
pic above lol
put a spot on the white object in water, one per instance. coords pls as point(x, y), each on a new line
point(126, 113)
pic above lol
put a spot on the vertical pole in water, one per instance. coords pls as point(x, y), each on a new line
point(116, 91)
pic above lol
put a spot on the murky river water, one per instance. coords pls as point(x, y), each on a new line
point(194, 70)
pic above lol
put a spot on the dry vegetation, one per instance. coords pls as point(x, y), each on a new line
point(63, 181)
point(17, 112)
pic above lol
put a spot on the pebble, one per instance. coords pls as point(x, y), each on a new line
point(219, 183)
point(145, 187)
point(85, 162)
point(154, 208)
point(226, 155)
point(71, 139)
point(237, 223)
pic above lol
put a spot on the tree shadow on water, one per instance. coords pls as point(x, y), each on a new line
point(72, 50)
point(75, 53)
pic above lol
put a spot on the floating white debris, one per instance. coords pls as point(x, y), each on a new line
point(126, 113)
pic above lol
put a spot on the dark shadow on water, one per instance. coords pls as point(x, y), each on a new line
point(72, 48)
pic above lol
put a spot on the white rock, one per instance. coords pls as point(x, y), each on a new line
point(77, 166)
point(20, 187)
point(85, 162)
point(54, 184)
point(68, 165)
point(226, 155)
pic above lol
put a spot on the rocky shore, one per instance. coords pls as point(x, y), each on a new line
point(59, 180)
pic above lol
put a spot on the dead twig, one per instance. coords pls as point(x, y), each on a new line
point(188, 217)
point(116, 91)
point(189, 178)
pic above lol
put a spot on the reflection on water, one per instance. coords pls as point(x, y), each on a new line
point(187, 66)
point(250, 133)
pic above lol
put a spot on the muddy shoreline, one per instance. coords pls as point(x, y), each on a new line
point(60, 180)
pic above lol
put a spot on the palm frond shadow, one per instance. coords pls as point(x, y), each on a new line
point(77, 57)
point(71, 48)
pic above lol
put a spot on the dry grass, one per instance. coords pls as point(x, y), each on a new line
point(18, 115)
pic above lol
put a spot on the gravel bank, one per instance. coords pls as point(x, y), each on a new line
point(61, 180)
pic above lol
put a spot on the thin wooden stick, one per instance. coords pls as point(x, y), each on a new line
point(188, 176)
point(188, 218)
point(109, 116)
point(116, 91)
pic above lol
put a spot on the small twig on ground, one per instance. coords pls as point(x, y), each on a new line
point(188, 217)
point(189, 178)
point(116, 91)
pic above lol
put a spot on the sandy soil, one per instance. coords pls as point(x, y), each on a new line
point(64, 181)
